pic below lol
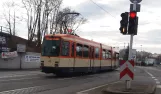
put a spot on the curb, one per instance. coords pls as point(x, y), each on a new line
point(97, 87)
point(108, 91)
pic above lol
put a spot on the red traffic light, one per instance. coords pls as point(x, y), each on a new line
point(132, 14)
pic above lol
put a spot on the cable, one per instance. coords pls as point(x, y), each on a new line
point(102, 8)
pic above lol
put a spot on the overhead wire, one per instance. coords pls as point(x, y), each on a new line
point(109, 12)
point(102, 9)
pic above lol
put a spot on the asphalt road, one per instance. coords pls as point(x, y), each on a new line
point(35, 82)
point(155, 74)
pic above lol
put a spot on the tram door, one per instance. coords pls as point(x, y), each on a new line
point(91, 58)
point(73, 51)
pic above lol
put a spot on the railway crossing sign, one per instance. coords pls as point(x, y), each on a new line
point(127, 70)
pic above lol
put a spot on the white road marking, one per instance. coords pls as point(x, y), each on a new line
point(18, 79)
point(158, 86)
point(18, 75)
point(82, 92)
point(66, 78)
point(9, 91)
point(92, 75)
point(157, 82)
point(152, 68)
point(149, 74)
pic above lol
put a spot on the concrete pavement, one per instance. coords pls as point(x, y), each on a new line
point(155, 74)
point(138, 87)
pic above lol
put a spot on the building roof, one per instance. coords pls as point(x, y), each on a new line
point(12, 41)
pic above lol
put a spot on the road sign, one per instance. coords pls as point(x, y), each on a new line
point(138, 6)
point(137, 1)
point(21, 48)
point(126, 70)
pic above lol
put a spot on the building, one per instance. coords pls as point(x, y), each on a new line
point(9, 43)
point(122, 53)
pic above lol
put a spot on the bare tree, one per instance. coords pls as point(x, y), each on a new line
point(50, 10)
point(33, 9)
point(10, 16)
point(41, 15)
point(44, 16)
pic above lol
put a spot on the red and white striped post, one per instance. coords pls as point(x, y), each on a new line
point(127, 70)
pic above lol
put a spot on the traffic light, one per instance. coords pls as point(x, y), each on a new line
point(124, 23)
point(133, 23)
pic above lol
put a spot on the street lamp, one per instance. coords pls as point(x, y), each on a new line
point(64, 22)
point(77, 14)
point(64, 14)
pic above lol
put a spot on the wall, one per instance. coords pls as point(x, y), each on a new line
point(14, 63)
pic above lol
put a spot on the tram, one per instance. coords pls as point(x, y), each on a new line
point(63, 54)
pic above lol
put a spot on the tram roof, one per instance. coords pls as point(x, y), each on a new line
point(80, 39)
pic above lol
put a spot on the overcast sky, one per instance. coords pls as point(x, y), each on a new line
point(104, 26)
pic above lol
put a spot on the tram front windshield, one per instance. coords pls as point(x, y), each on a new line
point(51, 47)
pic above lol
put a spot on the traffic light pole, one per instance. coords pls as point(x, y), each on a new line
point(128, 82)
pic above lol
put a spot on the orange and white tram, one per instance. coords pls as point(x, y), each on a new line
point(64, 53)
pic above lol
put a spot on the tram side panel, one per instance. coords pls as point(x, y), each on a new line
point(66, 65)
point(66, 61)
point(97, 61)
point(113, 60)
point(91, 56)
point(106, 64)
point(49, 64)
point(82, 61)
point(105, 60)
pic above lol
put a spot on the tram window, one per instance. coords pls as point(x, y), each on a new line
point(79, 48)
point(65, 48)
point(108, 54)
point(96, 52)
point(72, 49)
point(103, 54)
point(86, 51)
